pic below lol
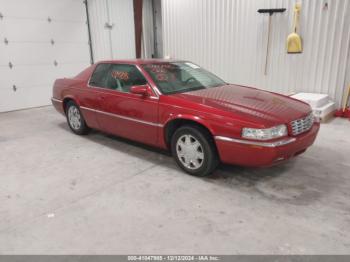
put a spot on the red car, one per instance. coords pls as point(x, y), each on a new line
point(179, 106)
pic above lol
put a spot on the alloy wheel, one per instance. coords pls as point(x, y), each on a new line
point(74, 117)
point(190, 151)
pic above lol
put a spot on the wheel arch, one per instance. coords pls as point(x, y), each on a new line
point(66, 100)
point(174, 123)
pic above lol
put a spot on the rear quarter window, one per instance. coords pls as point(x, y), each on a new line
point(100, 75)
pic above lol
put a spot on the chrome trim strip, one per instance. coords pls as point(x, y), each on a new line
point(56, 100)
point(256, 143)
point(123, 117)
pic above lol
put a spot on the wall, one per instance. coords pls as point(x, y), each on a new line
point(147, 29)
point(152, 29)
point(229, 38)
point(158, 28)
point(116, 41)
point(45, 40)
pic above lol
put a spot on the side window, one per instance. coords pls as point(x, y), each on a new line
point(122, 77)
point(100, 75)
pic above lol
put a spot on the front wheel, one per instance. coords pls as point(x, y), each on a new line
point(194, 150)
point(75, 119)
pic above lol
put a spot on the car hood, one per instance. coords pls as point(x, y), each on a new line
point(256, 103)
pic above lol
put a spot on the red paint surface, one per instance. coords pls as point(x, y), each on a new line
point(223, 110)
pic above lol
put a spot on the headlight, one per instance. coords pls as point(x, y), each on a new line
point(265, 134)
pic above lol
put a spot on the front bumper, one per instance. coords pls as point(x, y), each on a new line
point(254, 153)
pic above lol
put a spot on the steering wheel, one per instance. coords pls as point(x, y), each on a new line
point(189, 79)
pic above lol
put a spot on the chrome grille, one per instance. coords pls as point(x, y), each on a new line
point(302, 125)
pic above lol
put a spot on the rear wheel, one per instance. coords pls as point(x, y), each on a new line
point(194, 150)
point(75, 119)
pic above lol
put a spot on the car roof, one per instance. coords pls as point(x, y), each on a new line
point(140, 61)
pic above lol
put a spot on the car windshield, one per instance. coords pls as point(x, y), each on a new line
point(179, 77)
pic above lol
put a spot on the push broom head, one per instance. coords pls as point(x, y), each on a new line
point(294, 40)
point(294, 43)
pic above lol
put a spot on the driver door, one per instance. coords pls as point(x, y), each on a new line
point(126, 114)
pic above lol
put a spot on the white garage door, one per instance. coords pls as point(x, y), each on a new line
point(40, 40)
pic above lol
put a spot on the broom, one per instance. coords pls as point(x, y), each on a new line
point(270, 11)
point(294, 40)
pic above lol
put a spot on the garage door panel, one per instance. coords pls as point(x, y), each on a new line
point(38, 75)
point(63, 53)
point(33, 84)
point(27, 54)
point(25, 98)
point(42, 31)
point(36, 61)
point(27, 76)
point(62, 9)
point(24, 30)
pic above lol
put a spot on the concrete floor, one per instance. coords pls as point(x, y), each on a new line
point(65, 194)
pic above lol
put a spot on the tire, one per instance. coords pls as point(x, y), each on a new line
point(194, 150)
point(75, 119)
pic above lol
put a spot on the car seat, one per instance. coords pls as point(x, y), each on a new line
point(114, 84)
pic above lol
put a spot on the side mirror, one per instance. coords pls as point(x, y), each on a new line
point(143, 90)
